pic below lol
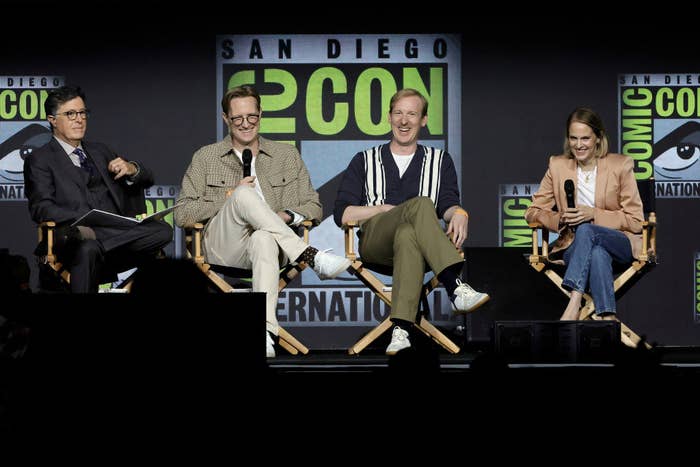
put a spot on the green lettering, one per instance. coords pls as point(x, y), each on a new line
point(314, 101)
point(43, 94)
point(7, 110)
point(640, 129)
point(363, 114)
point(664, 105)
point(28, 105)
point(240, 78)
point(280, 101)
point(685, 102)
point(629, 97)
point(412, 79)
point(509, 207)
point(519, 237)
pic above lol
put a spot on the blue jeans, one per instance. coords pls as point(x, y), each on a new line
point(589, 263)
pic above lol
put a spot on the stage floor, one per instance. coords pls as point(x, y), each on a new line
point(680, 360)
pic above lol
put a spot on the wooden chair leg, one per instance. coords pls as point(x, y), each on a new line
point(627, 336)
point(290, 343)
point(214, 277)
point(630, 338)
point(377, 287)
point(434, 333)
point(370, 337)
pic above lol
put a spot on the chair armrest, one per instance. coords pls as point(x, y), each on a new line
point(349, 234)
point(538, 256)
point(648, 252)
point(305, 227)
point(193, 242)
point(47, 230)
point(350, 225)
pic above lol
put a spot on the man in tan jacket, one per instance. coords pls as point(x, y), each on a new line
point(249, 191)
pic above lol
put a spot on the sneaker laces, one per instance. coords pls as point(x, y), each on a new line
point(463, 288)
point(399, 336)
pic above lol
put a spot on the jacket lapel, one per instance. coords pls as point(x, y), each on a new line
point(568, 174)
point(99, 159)
point(601, 182)
point(263, 168)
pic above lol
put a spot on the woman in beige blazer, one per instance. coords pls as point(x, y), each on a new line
point(606, 223)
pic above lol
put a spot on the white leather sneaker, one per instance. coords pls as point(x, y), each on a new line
point(467, 299)
point(399, 341)
point(270, 346)
point(328, 266)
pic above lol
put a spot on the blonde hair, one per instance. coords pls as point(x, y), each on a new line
point(588, 117)
point(408, 92)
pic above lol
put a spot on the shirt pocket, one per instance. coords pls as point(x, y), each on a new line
point(282, 179)
point(216, 187)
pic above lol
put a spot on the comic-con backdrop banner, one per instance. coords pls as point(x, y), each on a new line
point(329, 95)
point(659, 122)
point(660, 130)
point(23, 127)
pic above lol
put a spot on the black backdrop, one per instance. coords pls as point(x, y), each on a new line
point(150, 83)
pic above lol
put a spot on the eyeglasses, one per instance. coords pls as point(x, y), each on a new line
point(73, 114)
point(238, 121)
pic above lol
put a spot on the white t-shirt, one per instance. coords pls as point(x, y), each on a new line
point(585, 193)
point(258, 190)
point(402, 162)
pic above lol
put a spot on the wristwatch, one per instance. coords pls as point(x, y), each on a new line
point(291, 216)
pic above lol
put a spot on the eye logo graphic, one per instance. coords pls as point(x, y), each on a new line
point(678, 154)
point(17, 147)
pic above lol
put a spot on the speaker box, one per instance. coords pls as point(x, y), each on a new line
point(116, 358)
point(517, 291)
point(557, 341)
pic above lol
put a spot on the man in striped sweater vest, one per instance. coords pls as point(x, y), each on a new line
point(398, 192)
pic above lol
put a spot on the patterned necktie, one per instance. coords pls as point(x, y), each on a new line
point(84, 164)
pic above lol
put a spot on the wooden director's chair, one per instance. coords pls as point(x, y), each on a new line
point(193, 240)
point(363, 271)
point(625, 279)
point(47, 234)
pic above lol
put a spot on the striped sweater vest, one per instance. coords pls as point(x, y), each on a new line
point(375, 181)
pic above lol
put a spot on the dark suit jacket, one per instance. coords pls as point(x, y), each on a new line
point(56, 191)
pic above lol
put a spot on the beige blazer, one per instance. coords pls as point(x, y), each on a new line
point(617, 202)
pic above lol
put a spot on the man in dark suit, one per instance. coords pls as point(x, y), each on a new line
point(68, 177)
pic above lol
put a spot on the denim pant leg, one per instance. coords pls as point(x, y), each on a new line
point(589, 263)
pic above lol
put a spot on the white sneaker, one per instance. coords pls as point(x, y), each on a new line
point(328, 266)
point(270, 346)
point(399, 341)
point(467, 299)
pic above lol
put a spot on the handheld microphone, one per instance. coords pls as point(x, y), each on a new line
point(247, 158)
point(569, 189)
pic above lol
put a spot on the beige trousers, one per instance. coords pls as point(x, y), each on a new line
point(247, 234)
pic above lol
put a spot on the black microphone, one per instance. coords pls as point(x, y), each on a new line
point(569, 189)
point(248, 157)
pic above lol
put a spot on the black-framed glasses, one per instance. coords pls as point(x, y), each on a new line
point(73, 114)
point(238, 120)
